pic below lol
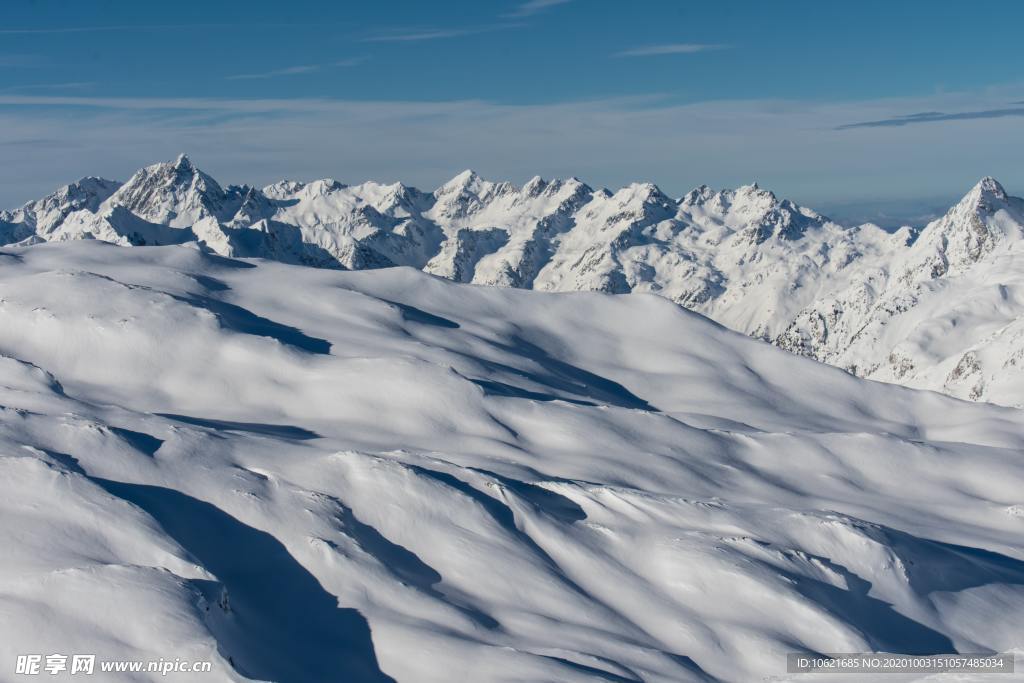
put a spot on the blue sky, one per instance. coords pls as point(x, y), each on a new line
point(676, 92)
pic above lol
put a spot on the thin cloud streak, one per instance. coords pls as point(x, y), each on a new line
point(241, 106)
point(74, 85)
point(99, 29)
point(15, 61)
point(670, 49)
point(67, 29)
point(273, 73)
point(136, 27)
point(532, 7)
point(411, 35)
point(934, 117)
point(295, 70)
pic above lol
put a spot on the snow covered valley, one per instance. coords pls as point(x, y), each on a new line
point(305, 475)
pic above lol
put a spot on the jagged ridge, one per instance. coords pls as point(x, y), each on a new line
point(861, 298)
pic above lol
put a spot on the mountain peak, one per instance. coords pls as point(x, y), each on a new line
point(174, 193)
point(697, 195)
point(534, 186)
point(755, 190)
point(986, 197)
point(467, 177)
point(989, 186)
point(648, 192)
point(970, 230)
point(467, 181)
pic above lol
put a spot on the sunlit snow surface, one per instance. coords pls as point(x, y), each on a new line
point(312, 475)
point(937, 307)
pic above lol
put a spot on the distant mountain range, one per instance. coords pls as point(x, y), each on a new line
point(938, 307)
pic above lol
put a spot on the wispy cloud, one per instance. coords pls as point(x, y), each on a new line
point(413, 34)
point(273, 73)
point(65, 29)
point(409, 35)
point(532, 7)
point(416, 35)
point(73, 85)
point(20, 60)
point(670, 49)
point(296, 70)
point(352, 61)
point(936, 116)
point(236, 106)
point(138, 27)
point(94, 29)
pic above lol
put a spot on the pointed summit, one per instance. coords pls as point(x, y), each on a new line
point(645, 192)
point(986, 197)
point(753, 213)
point(971, 229)
point(467, 180)
point(755, 190)
point(44, 215)
point(534, 186)
point(697, 195)
point(467, 175)
point(989, 185)
point(172, 193)
point(462, 193)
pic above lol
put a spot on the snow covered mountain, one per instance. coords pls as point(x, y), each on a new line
point(944, 313)
point(304, 474)
point(933, 308)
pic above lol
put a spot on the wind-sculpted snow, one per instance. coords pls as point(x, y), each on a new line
point(306, 474)
point(898, 307)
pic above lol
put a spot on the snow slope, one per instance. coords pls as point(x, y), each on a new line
point(307, 474)
point(936, 308)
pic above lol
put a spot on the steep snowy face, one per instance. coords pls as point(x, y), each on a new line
point(385, 476)
point(754, 213)
point(764, 258)
point(593, 254)
point(42, 217)
point(361, 226)
point(464, 195)
point(326, 203)
point(254, 206)
point(743, 257)
point(984, 220)
point(175, 194)
point(498, 234)
point(940, 314)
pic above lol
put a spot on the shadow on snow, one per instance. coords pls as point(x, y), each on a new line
point(281, 625)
